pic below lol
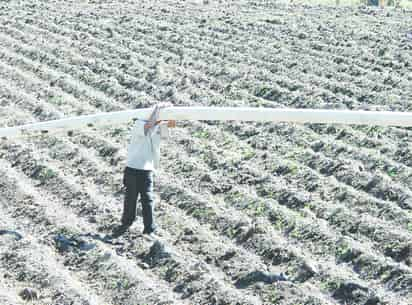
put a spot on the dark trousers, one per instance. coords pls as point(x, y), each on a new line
point(138, 182)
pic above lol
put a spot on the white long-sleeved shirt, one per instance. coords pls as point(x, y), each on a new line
point(143, 151)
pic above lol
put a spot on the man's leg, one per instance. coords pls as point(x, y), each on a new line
point(147, 199)
point(129, 206)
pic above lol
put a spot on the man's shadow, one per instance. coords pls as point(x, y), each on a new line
point(82, 242)
point(63, 242)
point(17, 235)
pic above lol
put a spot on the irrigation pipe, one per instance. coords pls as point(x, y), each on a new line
point(378, 118)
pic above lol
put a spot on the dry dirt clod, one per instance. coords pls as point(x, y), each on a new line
point(259, 276)
point(356, 293)
point(28, 294)
point(305, 271)
point(157, 252)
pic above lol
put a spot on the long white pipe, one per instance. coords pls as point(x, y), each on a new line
point(381, 118)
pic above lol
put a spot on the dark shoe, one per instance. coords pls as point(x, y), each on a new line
point(149, 231)
point(120, 230)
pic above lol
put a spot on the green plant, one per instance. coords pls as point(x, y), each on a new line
point(273, 296)
point(231, 232)
point(259, 208)
point(373, 130)
point(46, 174)
point(262, 91)
point(295, 233)
point(278, 226)
point(293, 168)
point(329, 285)
point(203, 213)
point(248, 154)
point(233, 196)
point(56, 100)
point(202, 134)
point(117, 131)
point(125, 284)
point(332, 285)
point(392, 172)
point(310, 206)
point(343, 251)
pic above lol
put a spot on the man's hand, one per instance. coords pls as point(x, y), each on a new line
point(153, 120)
point(171, 124)
point(149, 124)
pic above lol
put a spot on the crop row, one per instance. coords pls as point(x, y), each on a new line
point(101, 176)
point(300, 160)
point(113, 89)
point(285, 96)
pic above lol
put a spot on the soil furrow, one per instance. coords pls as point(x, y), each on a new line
point(34, 264)
point(282, 57)
point(301, 186)
point(206, 214)
point(73, 187)
point(75, 163)
point(9, 289)
point(114, 81)
point(72, 156)
point(65, 81)
point(373, 194)
point(224, 39)
point(80, 245)
point(340, 86)
point(284, 29)
point(214, 176)
point(329, 205)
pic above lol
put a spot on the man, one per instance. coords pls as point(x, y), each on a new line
point(142, 160)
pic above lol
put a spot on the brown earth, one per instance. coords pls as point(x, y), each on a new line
point(237, 203)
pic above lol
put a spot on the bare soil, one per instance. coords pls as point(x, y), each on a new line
point(237, 204)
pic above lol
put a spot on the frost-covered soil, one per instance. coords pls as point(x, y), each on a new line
point(237, 203)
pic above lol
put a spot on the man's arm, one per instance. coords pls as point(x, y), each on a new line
point(153, 119)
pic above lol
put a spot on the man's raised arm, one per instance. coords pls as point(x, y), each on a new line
point(154, 118)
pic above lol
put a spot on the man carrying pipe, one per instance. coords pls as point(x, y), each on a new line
point(142, 160)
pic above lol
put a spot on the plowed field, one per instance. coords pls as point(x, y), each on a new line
point(237, 203)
